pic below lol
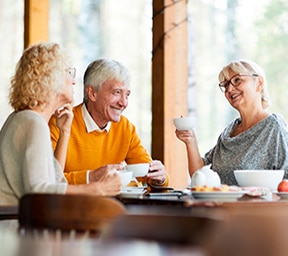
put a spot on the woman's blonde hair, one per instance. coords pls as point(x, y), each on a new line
point(249, 67)
point(39, 76)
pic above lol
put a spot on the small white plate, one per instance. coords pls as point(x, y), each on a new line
point(218, 196)
point(283, 195)
point(132, 191)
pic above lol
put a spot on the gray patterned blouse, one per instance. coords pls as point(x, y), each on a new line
point(263, 146)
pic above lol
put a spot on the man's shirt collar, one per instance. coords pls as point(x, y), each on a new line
point(90, 123)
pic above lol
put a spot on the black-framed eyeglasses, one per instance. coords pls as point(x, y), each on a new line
point(235, 81)
point(72, 72)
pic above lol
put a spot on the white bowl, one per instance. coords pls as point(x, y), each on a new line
point(139, 170)
point(184, 123)
point(126, 177)
point(259, 178)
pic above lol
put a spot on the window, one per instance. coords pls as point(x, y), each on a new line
point(219, 31)
point(11, 33)
point(223, 30)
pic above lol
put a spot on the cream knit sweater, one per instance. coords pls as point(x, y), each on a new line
point(27, 163)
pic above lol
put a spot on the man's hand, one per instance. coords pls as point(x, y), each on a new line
point(101, 173)
point(108, 184)
point(157, 172)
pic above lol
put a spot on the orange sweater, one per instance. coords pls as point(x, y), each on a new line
point(89, 151)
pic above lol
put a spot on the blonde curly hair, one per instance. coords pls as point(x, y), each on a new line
point(39, 76)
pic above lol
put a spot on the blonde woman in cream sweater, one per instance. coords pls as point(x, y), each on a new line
point(41, 86)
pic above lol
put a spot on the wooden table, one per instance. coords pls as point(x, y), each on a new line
point(12, 243)
point(249, 226)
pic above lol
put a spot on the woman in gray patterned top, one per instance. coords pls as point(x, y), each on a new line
point(255, 140)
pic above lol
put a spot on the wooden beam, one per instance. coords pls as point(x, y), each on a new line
point(169, 85)
point(36, 21)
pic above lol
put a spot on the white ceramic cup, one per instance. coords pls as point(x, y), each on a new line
point(139, 170)
point(184, 123)
point(126, 177)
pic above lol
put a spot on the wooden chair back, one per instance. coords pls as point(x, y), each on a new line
point(8, 212)
point(80, 213)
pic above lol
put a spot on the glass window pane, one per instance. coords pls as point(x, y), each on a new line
point(11, 38)
point(223, 30)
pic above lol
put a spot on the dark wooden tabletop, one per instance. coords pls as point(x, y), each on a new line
point(248, 226)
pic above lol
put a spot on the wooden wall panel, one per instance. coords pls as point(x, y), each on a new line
point(169, 85)
point(36, 21)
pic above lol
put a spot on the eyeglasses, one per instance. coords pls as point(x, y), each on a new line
point(72, 72)
point(235, 81)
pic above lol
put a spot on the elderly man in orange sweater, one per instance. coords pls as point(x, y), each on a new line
point(101, 138)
